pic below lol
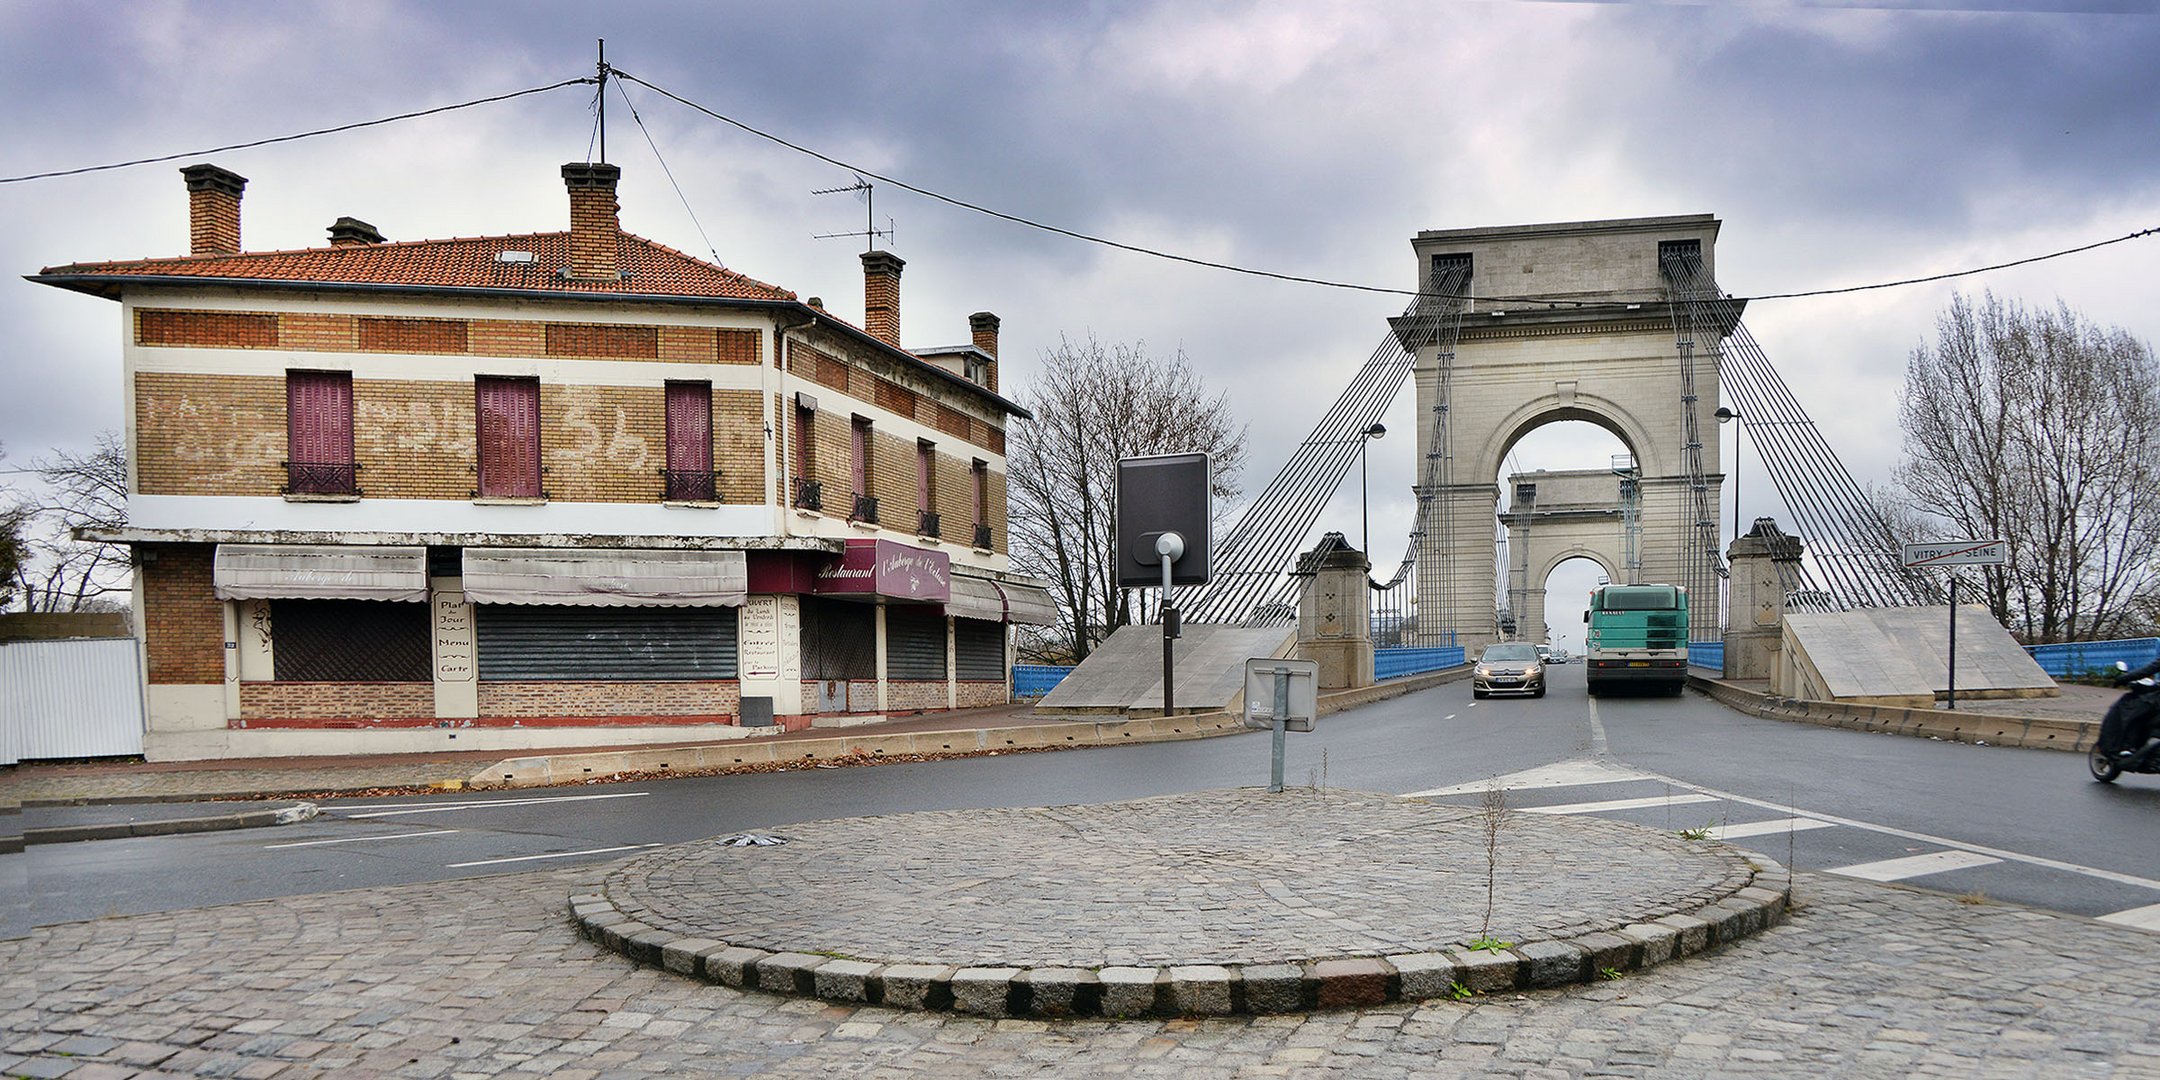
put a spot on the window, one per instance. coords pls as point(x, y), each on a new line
point(509, 422)
point(319, 434)
point(982, 504)
point(689, 443)
point(809, 494)
point(926, 487)
point(350, 641)
point(866, 505)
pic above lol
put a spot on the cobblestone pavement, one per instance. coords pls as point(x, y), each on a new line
point(1216, 877)
point(486, 977)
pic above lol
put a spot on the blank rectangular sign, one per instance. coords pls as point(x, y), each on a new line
point(1166, 493)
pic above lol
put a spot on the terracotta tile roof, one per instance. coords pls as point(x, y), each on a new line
point(651, 269)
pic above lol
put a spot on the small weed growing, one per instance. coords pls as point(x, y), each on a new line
point(1609, 974)
point(1698, 833)
point(1458, 992)
point(1490, 944)
point(1974, 898)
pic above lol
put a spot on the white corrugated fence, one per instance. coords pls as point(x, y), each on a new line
point(75, 698)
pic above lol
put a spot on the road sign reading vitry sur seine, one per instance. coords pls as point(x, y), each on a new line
point(1958, 553)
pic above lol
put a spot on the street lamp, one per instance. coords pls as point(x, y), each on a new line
point(1364, 515)
point(1723, 415)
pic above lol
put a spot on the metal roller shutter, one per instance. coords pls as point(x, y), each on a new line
point(839, 639)
point(979, 650)
point(580, 643)
point(914, 644)
point(350, 641)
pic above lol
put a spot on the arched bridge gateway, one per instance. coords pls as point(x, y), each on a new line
point(1618, 323)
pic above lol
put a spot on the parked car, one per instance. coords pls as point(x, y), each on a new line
point(1508, 667)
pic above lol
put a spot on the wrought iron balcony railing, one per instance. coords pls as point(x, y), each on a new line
point(322, 478)
point(692, 485)
point(929, 525)
point(809, 494)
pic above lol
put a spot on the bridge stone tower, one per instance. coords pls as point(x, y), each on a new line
point(1567, 321)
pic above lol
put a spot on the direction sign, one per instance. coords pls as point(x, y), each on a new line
point(1958, 553)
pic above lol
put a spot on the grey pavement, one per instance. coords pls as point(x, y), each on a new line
point(488, 977)
point(1208, 902)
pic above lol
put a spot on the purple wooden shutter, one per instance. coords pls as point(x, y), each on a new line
point(861, 457)
point(689, 427)
point(509, 437)
point(925, 461)
point(319, 431)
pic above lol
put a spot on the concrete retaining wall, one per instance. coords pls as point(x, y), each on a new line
point(1952, 726)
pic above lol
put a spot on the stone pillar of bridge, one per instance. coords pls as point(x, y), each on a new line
point(1757, 599)
point(1335, 615)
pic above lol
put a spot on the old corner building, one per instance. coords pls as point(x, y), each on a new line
point(563, 488)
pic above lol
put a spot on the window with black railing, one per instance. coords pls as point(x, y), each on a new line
point(692, 485)
point(982, 537)
point(809, 494)
point(865, 509)
point(929, 525)
point(322, 478)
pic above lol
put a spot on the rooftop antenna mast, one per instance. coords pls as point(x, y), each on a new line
point(863, 191)
point(601, 69)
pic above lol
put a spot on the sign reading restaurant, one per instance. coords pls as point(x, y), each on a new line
point(890, 569)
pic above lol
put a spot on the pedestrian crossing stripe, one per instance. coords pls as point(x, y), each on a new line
point(1768, 828)
point(1618, 804)
point(1912, 866)
point(2143, 918)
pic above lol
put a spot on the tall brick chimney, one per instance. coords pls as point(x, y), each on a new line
point(985, 328)
point(594, 231)
point(881, 295)
point(353, 232)
point(213, 209)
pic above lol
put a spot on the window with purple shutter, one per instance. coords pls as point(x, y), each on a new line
point(926, 488)
point(689, 443)
point(509, 411)
point(866, 508)
point(319, 434)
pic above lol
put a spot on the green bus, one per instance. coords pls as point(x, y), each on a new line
point(1638, 637)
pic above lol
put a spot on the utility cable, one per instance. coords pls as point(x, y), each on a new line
point(669, 173)
point(301, 135)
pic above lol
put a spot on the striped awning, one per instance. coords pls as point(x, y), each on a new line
point(1000, 601)
point(605, 577)
point(326, 572)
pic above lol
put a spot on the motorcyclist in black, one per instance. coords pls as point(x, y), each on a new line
point(2132, 717)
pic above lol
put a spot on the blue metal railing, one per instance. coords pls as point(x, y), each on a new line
point(2091, 657)
point(1706, 654)
point(1035, 680)
point(1396, 663)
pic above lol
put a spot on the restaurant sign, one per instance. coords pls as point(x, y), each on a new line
point(890, 569)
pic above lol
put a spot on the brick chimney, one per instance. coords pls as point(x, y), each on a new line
point(881, 295)
point(213, 209)
point(353, 232)
point(985, 328)
point(594, 231)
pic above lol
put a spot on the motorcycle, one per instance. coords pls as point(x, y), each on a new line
point(2141, 700)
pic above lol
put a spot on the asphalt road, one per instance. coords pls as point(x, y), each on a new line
point(2026, 826)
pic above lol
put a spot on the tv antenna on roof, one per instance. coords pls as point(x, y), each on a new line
point(866, 195)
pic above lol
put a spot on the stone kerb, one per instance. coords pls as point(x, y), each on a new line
point(1961, 725)
point(1326, 944)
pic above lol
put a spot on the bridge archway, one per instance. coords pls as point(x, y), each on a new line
point(1564, 321)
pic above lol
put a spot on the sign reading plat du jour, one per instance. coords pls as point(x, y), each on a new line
point(759, 642)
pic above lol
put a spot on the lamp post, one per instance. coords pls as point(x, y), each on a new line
point(1723, 415)
point(1364, 514)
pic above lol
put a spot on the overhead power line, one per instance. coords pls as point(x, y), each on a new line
point(299, 135)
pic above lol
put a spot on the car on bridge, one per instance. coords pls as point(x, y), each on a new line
point(1508, 667)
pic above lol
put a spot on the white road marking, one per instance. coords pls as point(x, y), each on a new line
point(1451, 716)
point(2143, 918)
point(1617, 804)
point(1913, 866)
point(1767, 828)
point(358, 839)
point(1926, 838)
point(395, 810)
point(553, 855)
point(1575, 773)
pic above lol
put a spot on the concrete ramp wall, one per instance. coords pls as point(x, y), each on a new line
point(1124, 674)
point(1900, 656)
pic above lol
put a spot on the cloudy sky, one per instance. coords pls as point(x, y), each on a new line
point(1841, 144)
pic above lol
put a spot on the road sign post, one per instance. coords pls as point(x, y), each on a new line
point(1283, 695)
point(1165, 513)
point(1955, 553)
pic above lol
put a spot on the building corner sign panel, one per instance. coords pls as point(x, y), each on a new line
point(319, 572)
point(890, 569)
point(606, 577)
point(1957, 553)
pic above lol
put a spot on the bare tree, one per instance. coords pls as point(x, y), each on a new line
point(56, 570)
point(2036, 427)
point(1094, 405)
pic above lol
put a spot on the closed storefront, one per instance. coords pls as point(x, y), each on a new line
point(979, 650)
point(914, 644)
point(521, 642)
point(349, 641)
point(839, 639)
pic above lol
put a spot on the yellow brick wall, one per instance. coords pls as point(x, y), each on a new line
point(209, 434)
point(739, 445)
point(414, 440)
point(602, 443)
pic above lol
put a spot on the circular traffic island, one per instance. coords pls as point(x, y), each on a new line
point(1208, 903)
